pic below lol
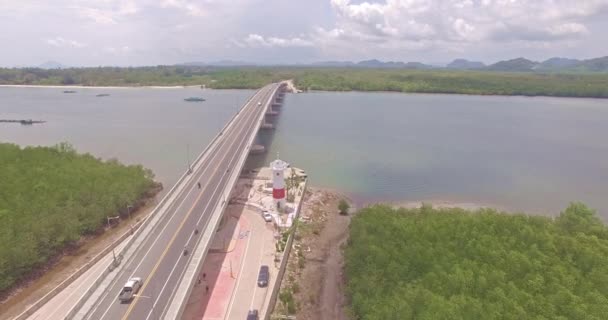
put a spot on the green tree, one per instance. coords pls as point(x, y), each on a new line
point(343, 206)
point(57, 195)
point(434, 263)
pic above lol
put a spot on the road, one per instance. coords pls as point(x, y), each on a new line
point(59, 306)
point(160, 260)
point(260, 249)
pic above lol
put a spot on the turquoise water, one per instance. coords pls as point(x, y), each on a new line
point(519, 153)
point(532, 154)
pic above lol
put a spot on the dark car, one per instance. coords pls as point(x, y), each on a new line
point(263, 277)
point(252, 315)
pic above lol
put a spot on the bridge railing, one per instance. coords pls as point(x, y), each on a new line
point(179, 301)
point(158, 211)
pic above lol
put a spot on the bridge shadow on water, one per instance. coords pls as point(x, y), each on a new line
point(264, 138)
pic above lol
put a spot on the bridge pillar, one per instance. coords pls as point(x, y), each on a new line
point(266, 125)
point(257, 149)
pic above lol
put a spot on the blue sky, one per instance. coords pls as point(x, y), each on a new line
point(147, 32)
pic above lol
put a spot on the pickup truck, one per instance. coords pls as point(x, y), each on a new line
point(130, 289)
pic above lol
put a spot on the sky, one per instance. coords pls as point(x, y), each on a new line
point(155, 32)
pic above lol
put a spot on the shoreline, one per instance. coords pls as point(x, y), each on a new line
point(454, 93)
point(297, 90)
point(97, 87)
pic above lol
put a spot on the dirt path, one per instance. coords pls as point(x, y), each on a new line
point(315, 267)
point(64, 265)
point(332, 300)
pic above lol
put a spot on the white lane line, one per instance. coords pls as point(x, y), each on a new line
point(188, 241)
point(158, 236)
point(91, 273)
point(260, 264)
point(238, 279)
point(227, 137)
point(243, 127)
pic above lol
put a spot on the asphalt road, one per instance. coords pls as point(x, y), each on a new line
point(160, 260)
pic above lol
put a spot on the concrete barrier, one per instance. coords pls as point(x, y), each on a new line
point(277, 286)
point(38, 304)
point(179, 301)
point(51, 294)
point(76, 308)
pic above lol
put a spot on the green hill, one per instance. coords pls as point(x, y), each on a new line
point(519, 64)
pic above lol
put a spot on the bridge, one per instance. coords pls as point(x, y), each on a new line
point(186, 219)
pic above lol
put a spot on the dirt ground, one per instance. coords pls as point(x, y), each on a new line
point(315, 269)
point(65, 264)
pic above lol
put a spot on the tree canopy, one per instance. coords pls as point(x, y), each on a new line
point(431, 263)
point(50, 196)
point(330, 79)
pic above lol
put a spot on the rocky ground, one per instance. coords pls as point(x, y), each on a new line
point(313, 286)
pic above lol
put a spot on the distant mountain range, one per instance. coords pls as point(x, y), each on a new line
point(465, 64)
point(513, 65)
point(51, 65)
point(525, 65)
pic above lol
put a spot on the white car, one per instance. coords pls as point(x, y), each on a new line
point(130, 289)
point(259, 103)
point(267, 216)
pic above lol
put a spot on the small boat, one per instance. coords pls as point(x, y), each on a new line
point(194, 99)
point(69, 91)
point(103, 95)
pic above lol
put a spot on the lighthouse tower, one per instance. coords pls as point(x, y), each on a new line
point(278, 183)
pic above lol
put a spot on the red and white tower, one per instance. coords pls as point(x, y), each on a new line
point(278, 182)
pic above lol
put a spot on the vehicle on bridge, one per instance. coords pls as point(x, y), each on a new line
point(252, 314)
point(130, 289)
point(263, 276)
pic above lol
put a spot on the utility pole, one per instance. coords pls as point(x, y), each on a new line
point(188, 157)
point(114, 257)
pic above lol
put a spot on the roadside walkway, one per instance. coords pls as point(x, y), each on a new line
point(209, 299)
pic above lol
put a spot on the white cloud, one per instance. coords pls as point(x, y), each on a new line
point(173, 31)
point(394, 28)
point(64, 43)
point(106, 12)
point(190, 7)
point(118, 50)
point(256, 40)
point(462, 20)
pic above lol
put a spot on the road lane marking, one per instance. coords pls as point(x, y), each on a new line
point(238, 280)
point(162, 256)
point(260, 264)
point(75, 290)
point(159, 235)
point(151, 274)
point(235, 155)
point(187, 241)
point(175, 211)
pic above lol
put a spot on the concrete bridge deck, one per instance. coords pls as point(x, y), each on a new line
point(156, 254)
